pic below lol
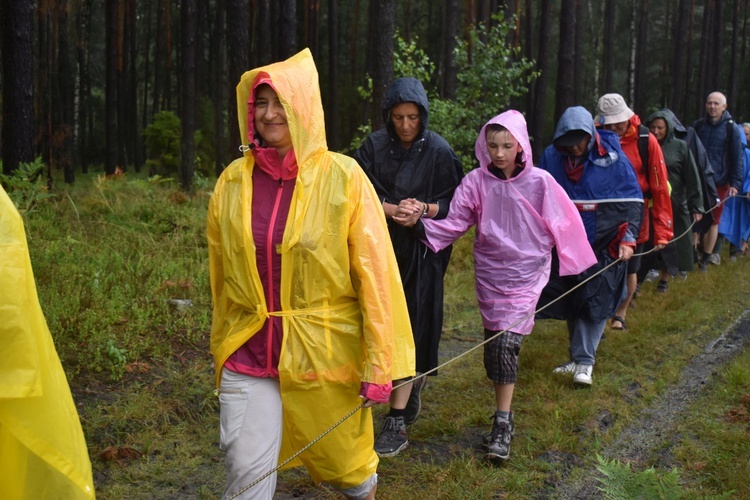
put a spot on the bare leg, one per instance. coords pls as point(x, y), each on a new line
point(504, 396)
point(400, 396)
point(622, 311)
point(709, 239)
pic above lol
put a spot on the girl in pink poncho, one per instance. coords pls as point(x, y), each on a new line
point(520, 214)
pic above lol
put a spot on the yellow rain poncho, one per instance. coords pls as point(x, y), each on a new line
point(343, 309)
point(42, 449)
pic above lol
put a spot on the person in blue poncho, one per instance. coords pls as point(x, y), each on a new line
point(735, 224)
point(597, 176)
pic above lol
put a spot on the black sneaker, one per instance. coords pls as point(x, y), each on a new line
point(414, 406)
point(392, 438)
point(498, 447)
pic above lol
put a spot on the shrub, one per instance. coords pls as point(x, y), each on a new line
point(163, 144)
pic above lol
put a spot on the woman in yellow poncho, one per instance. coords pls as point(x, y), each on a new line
point(43, 453)
point(306, 294)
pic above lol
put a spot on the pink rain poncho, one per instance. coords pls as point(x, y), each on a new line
point(518, 223)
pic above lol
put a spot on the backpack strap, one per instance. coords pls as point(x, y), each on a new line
point(731, 128)
point(643, 133)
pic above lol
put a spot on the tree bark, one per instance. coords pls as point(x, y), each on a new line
point(578, 72)
point(238, 39)
point(717, 46)
point(539, 110)
point(312, 22)
point(609, 46)
point(18, 84)
point(83, 129)
point(451, 20)
point(262, 34)
point(382, 29)
point(287, 28)
point(735, 70)
point(219, 86)
point(633, 44)
point(566, 58)
point(187, 101)
point(64, 128)
point(333, 76)
point(704, 64)
point(679, 58)
point(111, 133)
point(641, 62)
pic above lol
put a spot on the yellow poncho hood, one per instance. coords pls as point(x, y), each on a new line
point(42, 449)
point(344, 314)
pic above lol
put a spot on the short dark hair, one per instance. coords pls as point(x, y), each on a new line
point(494, 128)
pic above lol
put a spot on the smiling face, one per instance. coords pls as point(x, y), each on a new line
point(503, 149)
point(406, 122)
point(659, 129)
point(270, 120)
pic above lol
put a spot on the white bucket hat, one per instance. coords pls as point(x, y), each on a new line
point(611, 108)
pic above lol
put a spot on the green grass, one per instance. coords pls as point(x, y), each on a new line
point(109, 254)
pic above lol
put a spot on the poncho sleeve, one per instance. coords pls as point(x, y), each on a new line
point(565, 225)
point(462, 215)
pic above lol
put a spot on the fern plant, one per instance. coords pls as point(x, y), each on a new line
point(23, 187)
point(620, 482)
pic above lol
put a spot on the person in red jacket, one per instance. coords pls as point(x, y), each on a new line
point(613, 114)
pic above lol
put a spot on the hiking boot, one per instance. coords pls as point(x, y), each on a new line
point(652, 275)
point(582, 375)
point(414, 406)
point(569, 367)
point(714, 259)
point(392, 438)
point(498, 446)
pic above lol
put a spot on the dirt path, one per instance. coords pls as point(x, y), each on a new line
point(645, 438)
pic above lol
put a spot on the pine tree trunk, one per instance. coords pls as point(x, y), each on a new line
point(18, 83)
point(333, 76)
point(110, 121)
point(641, 64)
point(238, 39)
point(609, 46)
point(287, 28)
point(187, 101)
point(219, 85)
point(566, 58)
point(540, 111)
point(450, 32)
point(679, 58)
point(382, 29)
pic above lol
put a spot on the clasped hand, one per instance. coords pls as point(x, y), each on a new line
point(408, 212)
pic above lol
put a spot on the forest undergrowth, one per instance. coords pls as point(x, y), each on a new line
point(122, 274)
